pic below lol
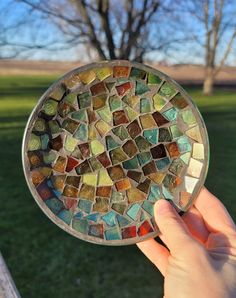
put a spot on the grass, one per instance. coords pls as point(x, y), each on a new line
point(47, 262)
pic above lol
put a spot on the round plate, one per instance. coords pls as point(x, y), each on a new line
point(105, 142)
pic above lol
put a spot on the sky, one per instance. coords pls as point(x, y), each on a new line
point(41, 31)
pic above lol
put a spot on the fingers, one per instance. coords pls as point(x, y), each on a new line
point(196, 225)
point(214, 213)
point(156, 253)
point(172, 227)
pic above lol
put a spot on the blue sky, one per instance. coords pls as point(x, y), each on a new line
point(41, 32)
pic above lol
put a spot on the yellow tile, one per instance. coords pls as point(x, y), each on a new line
point(91, 133)
point(90, 179)
point(96, 147)
point(70, 143)
point(102, 127)
point(87, 77)
point(104, 179)
point(194, 168)
point(198, 151)
point(194, 133)
point(158, 102)
point(103, 72)
point(132, 114)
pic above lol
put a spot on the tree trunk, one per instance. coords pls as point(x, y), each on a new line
point(208, 82)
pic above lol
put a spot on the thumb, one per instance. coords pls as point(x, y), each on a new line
point(172, 227)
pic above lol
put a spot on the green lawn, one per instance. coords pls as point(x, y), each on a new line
point(45, 261)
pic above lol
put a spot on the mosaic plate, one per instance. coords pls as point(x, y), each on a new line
point(105, 142)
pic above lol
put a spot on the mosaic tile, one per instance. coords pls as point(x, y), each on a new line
point(141, 88)
point(112, 234)
point(84, 100)
point(102, 147)
point(147, 121)
point(103, 178)
point(144, 157)
point(134, 175)
point(101, 205)
point(167, 90)
point(119, 208)
point(119, 117)
point(71, 163)
point(103, 72)
point(120, 132)
point(103, 191)
point(99, 101)
point(115, 102)
point(145, 228)
point(104, 160)
point(116, 172)
point(137, 73)
point(123, 184)
point(158, 102)
point(117, 155)
point(135, 195)
point(123, 88)
point(96, 147)
point(131, 163)
point(179, 102)
point(162, 163)
point(131, 100)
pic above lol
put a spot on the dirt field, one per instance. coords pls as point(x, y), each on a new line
point(185, 74)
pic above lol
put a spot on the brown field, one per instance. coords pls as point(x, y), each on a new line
point(185, 74)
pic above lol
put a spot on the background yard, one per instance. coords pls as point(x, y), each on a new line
point(47, 262)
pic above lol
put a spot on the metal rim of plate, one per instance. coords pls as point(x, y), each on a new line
point(61, 82)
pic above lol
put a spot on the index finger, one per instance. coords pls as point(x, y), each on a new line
point(214, 213)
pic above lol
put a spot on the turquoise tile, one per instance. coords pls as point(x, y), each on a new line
point(85, 205)
point(144, 158)
point(141, 88)
point(84, 100)
point(166, 193)
point(93, 217)
point(122, 221)
point(82, 133)
point(110, 218)
point(131, 163)
point(54, 205)
point(184, 144)
point(111, 143)
point(65, 215)
point(80, 115)
point(154, 193)
point(80, 225)
point(112, 234)
point(171, 114)
point(44, 141)
point(145, 105)
point(162, 163)
point(148, 207)
point(151, 135)
point(133, 211)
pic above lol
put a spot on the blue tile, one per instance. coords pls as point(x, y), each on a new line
point(162, 163)
point(110, 218)
point(122, 221)
point(65, 215)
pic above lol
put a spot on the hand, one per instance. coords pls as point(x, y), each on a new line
point(201, 257)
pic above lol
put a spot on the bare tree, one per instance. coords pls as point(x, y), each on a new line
point(113, 29)
point(215, 33)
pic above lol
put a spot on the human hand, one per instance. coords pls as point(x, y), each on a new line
point(201, 257)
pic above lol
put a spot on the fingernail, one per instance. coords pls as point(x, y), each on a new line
point(162, 206)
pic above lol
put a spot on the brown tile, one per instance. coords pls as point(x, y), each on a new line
point(84, 149)
point(123, 88)
point(123, 184)
point(56, 143)
point(147, 121)
point(98, 88)
point(121, 71)
point(101, 205)
point(91, 116)
point(178, 101)
point(135, 195)
point(159, 118)
point(173, 149)
point(130, 148)
point(103, 191)
point(73, 180)
point(119, 117)
point(70, 191)
point(83, 168)
point(116, 172)
point(87, 192)
point(134, 129)
point(149, 168)
point(117, 155)
point(158, 151)
point(104, 159)
point(134, 175)
point(144, 186)
point(60, 164)
point(119, 208)
point(157, 177)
